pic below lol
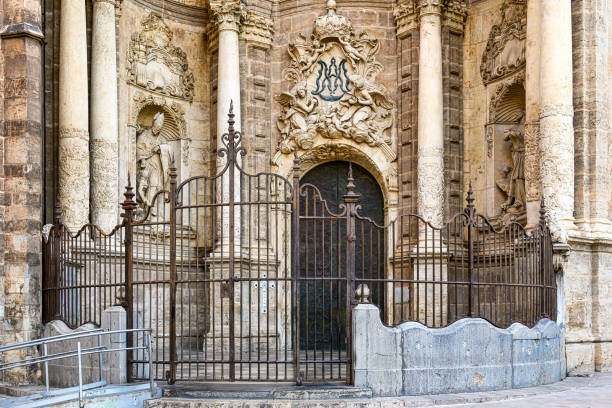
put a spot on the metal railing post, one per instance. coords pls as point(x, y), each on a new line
point(45, 353)
point(100, 361)
point(470, 211)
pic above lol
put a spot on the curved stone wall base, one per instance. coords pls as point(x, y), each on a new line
point(469, 355)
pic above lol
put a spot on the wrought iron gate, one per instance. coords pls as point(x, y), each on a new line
point(252, 277)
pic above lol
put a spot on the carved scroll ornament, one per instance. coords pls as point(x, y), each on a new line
point(334, 94)
point(153, 63)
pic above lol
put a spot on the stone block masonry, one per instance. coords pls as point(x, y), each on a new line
point(470, 355)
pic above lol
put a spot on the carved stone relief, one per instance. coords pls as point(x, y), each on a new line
point(155, 64)
point(505, 51)
point(335, 94)
point(513, 183)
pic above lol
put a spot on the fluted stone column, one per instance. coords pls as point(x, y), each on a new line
point(556, 116)
point(430, 167)
point(73, 157)
point(104, 132)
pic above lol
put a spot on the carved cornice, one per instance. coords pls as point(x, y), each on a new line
point(405, 18)
point(258, 28)
point(407, 14)
point(227, 15)
point(454, 15)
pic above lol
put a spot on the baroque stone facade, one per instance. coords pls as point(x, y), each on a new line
point(429, 96)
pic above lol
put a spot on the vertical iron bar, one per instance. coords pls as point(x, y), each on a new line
point(172, 374)
point(295, 258)
point(351, 198)
point(231, 157)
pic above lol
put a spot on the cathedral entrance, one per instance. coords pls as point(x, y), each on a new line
point(336, 252)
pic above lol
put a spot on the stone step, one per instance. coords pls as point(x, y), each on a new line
point(196, 395)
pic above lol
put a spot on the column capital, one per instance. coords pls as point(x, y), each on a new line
point(227, 14)
point(429, 7)
point(257, 28)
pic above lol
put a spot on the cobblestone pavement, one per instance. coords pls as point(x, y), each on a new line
point(573, 392)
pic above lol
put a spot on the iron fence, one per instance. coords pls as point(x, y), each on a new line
point(252, 277)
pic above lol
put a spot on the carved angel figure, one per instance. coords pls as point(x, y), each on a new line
point(367, 112)
point(153, 158)
point(297, 120)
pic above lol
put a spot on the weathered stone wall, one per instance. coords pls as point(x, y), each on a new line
point(469, 355)
point(20, 176)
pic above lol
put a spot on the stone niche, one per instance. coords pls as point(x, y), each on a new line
point(506, 153)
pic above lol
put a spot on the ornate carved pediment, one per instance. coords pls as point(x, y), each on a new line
point(335, 94)
point(505, 51)
point(157, 65)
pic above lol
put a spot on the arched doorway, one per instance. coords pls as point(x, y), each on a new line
point(325, 292)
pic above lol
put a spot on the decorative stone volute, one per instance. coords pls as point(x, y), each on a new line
point(407, 14)
point(227, 14)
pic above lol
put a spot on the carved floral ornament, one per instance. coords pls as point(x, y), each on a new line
point(407, 13)
point(335, 95)
point(154, 64)
point(505, 51)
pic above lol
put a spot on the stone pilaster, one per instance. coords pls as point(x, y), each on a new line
point(20, 178)
point(407, 29)
point(532, 114)
point(591, 115)
point(73, 161)
point(556, 116)
point(256, 42)
point(430, 167)
point(104, 131)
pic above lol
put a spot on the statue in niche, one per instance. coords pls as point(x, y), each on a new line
point(513, 185)
point(153, 159)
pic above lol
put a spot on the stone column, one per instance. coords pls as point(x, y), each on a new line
point(73, 157)
point(228, 18)
point(104, 131)
point(21, 188)
point(556, 116)
point(430, 167)
point(532, 114)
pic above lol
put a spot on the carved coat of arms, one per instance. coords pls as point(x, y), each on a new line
point(157, 65)
point(334, 93)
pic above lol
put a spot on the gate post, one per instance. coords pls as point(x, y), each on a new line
point(57, 260)
point(470, 212)
point(128, 206)
point(295, 259)
point(351, 199)
point(171, 374)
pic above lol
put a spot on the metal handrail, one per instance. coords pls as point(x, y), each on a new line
point(79, 353)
